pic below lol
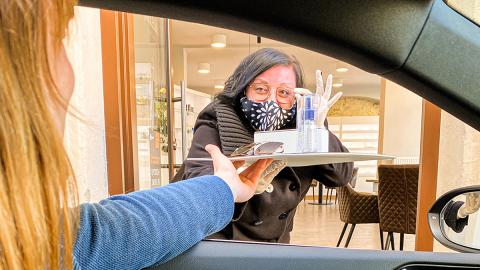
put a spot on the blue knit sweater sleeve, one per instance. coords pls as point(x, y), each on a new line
point(143, 228)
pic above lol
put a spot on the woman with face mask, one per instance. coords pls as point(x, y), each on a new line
point(260, 96)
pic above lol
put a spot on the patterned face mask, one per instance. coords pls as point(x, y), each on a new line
point(266, 115)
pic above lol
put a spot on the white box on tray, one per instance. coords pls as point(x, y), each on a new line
point(291, 139)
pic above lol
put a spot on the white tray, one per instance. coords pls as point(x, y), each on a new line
point(309, 159)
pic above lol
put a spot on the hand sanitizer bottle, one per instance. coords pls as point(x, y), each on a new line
point(306, 126)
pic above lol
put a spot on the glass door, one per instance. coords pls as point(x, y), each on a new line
point(152, 82)
point(189, 103)
point(162, 147)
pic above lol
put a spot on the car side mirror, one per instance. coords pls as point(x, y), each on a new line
point(454, 219)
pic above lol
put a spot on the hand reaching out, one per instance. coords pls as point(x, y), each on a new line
point(243, 185)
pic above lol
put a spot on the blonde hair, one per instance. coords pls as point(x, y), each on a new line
point(37, 185)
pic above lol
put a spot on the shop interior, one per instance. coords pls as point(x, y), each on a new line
point(174, 69)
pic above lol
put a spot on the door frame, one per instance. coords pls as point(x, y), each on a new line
point(118, 62)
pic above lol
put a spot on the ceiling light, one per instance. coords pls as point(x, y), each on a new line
point(337, 83)
point(204, 68)
point(219, 84)
point(342, 69)
point(219, 41)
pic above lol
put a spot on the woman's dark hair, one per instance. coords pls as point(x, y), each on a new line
point(252, 66)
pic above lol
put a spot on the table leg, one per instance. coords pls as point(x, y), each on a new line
point(320, 196)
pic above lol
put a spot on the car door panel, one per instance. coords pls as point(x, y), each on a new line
point(224, 255)
point(441, 48)
point(375, 35)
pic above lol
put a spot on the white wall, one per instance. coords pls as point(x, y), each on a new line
point(85, 137)
point(402, 121)
point(459, 155)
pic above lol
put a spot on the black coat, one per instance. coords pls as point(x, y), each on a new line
point(267, 217)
